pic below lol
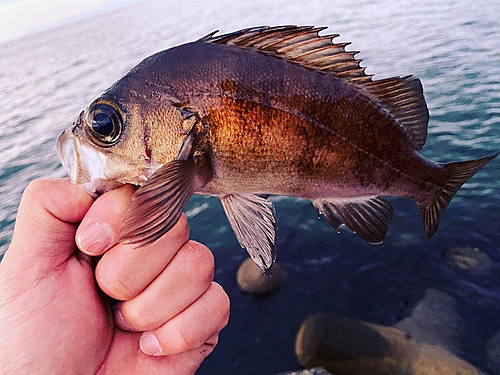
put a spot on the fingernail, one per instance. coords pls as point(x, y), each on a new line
point(95, 239)
point(149, 344)
point(119, 321)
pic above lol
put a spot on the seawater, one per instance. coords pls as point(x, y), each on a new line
point(46, 79)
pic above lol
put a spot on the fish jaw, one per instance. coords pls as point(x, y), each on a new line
point(85, 166)
point(68, 149)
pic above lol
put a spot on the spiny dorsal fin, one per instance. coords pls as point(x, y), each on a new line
point(404, 97)
point(303, 45)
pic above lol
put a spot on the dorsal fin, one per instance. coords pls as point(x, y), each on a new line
point(303, 45)
point(404, 97)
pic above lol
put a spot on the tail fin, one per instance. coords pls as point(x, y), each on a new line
point(460, 172)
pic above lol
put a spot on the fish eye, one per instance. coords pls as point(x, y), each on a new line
point(104, 123)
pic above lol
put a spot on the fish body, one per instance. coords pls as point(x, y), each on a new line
point(261, 111)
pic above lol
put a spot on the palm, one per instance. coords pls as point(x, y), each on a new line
point(83, 325)
point(89, 321)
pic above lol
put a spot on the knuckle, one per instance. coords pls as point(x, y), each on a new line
point(224, 298)
point(223, 303)
point(32, 201)
point(225, 319)
point(226, 312)
point(138, 318)
point(199, 261)
point(34, 189)
point(181, 342)
point(34, 185)
point(206, 266)
point(116, 285)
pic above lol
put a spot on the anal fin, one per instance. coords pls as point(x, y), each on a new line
point(368, 217)
point(254, 223)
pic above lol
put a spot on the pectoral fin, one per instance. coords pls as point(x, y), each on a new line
point(157, 205)
point(254, 223)
point(368, 217)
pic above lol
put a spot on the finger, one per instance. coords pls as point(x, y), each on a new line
point(100, 228)
point(197, 355)
point(126, 269)
point(182, 282)
point(192, 327)
point(46, 223)
point(123, 356)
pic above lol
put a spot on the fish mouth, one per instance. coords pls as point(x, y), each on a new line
point(85, 166)
point(66, 151)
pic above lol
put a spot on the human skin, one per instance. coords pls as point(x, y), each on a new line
point(65, 309)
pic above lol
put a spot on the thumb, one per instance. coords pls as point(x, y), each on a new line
point(47, 218)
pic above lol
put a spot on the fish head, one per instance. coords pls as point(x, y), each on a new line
point(120, 139)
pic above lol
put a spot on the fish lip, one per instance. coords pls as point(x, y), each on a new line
point(76, 161)
point(65, 147)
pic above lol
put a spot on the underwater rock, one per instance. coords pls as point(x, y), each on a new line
point(434, 320)
point(348, 346)
point(251, 280)
point(493, 353)
point(434, 360)
point(467, 258)
point(311, 371)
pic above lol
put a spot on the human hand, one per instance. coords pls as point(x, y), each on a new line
point(55, 318)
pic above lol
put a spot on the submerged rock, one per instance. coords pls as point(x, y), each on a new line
point(434, 320)
point(251, 279)
point(467, 258)
point(348, 346)
point(434, 360)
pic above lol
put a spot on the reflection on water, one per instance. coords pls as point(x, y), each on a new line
point(453, 47)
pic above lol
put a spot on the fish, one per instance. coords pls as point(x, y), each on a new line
point(261, 111)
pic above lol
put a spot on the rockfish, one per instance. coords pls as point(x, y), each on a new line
point(266, 110)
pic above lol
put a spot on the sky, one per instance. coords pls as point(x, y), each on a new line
point(22, 17)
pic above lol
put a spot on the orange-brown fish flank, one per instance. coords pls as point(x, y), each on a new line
point(306, 146)
point(266, 110)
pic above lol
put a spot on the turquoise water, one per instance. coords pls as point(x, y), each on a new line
point(452, 46)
